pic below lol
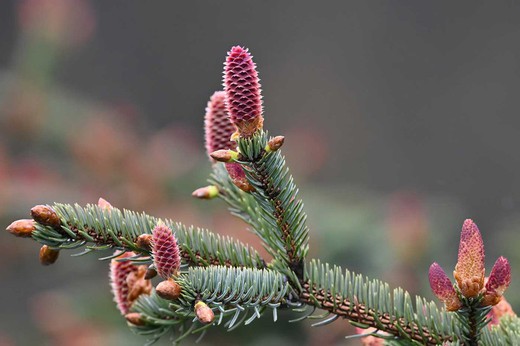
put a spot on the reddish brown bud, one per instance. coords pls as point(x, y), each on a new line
point(104, 204)
point(45, 215)
point(469, 271)
point(150, 273)
point(238, 177)
point(207, 192)
point(168, 289)
point(21, 228)
point(243, 93)
point(137, 284)
point(218, 128)
point(275, 143)
point(224, 155)
point(166, 254)
point(144, 241)
point(48, 256)
point(134, 318)
point(204, 313)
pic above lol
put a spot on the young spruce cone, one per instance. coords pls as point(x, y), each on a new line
point(218, 128)
point(166, 254)
point(243, 93)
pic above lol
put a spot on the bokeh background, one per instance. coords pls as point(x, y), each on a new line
point(400, 118)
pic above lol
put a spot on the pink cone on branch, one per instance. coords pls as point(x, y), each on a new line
point(119, 272)
point(217, 125)
point(243, 93)
point(443, 288)
point(498, 282)
point(166, 254)
point(219, 145)
point(469, 271)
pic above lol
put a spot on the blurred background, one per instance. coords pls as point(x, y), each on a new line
point(400, 118)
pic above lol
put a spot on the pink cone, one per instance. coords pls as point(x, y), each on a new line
point(243, 93)
point(166, 254)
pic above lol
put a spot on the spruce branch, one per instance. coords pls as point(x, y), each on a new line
point(276, 194)
point(474, 318)
point(156, 318)
point(371, 303)
point(237, 295)
point(240, 295)
point(245, 206)
point(97, 228)
point(228, 282)
point(507, 332)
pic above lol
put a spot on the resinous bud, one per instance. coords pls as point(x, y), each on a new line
point(144, 241)
point(204, 313)
point(134, 318)
point(45, 215)
point(48, 256)
point(206, 192)
point(168, 289)
point(274, 143)
point(21, 228)
point(224, 155)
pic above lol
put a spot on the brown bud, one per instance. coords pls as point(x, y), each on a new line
point(150, 273)
point(168, 289)
point(275, 143)
point(137, 284)
point(21, 228)
point(46, 216)
point(104, 204)
point(134, 318)
point(207, 192)
point(238, 177)
point(224, 155)
point(491, 299)
point(144, 241)
point(48, 256)
point(204, 313)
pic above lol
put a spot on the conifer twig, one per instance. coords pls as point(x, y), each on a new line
point(97, 229)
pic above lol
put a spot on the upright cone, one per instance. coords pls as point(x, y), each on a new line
point(243, 92)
